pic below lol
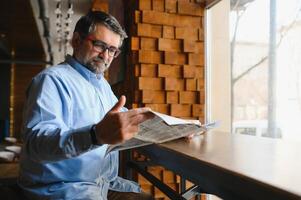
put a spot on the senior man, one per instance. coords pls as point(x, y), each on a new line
point(70, 117)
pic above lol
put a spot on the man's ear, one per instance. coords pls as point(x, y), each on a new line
point(76, 40)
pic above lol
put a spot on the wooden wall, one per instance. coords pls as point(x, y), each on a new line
point(167, 57)
point(165, 68)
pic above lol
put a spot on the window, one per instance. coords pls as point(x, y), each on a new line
point(254, 67)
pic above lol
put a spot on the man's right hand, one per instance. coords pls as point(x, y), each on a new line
point(117, 126)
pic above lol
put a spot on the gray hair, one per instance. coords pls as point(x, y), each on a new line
point(87, 24)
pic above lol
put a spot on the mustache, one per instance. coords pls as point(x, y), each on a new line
point(98, 59)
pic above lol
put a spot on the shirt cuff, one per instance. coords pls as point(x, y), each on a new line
point(82, 139)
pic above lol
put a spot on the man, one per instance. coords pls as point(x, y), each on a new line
point(71, 115)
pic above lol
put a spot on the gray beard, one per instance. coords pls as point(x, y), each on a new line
point(100, 69)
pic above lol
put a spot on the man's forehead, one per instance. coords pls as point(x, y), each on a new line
point(102, 29)
point(103, 33)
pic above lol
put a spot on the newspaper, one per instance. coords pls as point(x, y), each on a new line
point(161, 128)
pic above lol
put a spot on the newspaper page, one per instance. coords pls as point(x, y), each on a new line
point(161, 128)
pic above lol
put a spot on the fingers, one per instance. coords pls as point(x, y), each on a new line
point(189, 137)
point(131, 132)
point(137, 111)
point(119, 104)
point(139, 118)
point(131, 127)
point(120, 126)
point(136, 116)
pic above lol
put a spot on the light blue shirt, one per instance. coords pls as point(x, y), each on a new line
point(58, 160)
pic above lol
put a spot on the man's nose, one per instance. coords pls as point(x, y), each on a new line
point(104, 54)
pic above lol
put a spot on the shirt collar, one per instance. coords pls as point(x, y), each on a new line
point(86, 73)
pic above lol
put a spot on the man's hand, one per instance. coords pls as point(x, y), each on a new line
point(119, 126)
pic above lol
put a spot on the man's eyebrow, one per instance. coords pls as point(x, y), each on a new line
point(101, 42)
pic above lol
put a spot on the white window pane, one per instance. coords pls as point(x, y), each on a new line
point(250, 34)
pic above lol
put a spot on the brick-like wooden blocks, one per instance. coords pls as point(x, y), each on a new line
point(135, 43)
point(187, 33)
point(193, 46)
point(148, 70)
point(190, 8)
point(162, 18)
point(200, 84)
point(168, 32)
point(190, 71)
point(171, 6)
point(158, 5)
point(147, 83)
point(202, 96)
point(170, 45)
point(148, 43)
point(172, 97)
point(191, 84)
point(188, 97)
point(149, 30)
point(174, 84)
point(162, 108)
point(196, 59)
point(137, 16)
point(175, 58)
point(167, 60)
point(145, 4)
point(148, 56)
point(173, 71)
point(197, 110)
point(180, 110)
point(151, 96)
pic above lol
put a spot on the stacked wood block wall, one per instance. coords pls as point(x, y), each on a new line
point(166, 62)
point(167, 44)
